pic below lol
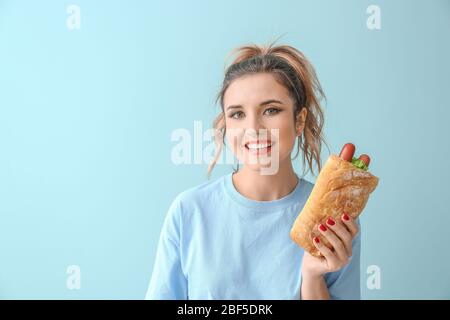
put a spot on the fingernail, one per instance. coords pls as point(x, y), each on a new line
point(331, 222)
point(322, 227)
point(346, 217)
point(316, 239)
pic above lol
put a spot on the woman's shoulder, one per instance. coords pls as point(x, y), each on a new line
point(206, 190)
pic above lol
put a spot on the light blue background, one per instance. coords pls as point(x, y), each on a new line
point(86, 118)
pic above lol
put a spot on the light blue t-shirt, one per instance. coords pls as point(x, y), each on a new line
point(217, 244)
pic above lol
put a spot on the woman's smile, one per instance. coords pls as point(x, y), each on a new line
point(259, 147)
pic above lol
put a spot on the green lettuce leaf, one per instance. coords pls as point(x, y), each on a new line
point(359, 164)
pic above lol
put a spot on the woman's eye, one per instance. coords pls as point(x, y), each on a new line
point(236, 115)
point(271, 111)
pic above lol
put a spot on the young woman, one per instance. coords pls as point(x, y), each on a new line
point(229, 238)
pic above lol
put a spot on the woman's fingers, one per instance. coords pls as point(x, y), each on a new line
point(337, 244)
point(350, 224)
point(342, 232)
point(330, 256)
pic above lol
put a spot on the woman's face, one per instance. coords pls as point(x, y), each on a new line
point(259, 121)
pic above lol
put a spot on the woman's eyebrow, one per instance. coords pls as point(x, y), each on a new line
point(236, 106)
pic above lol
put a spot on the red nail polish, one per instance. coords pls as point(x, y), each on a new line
point(346, 217)
point(322, 227)
point(316, 239)
point(331, 222)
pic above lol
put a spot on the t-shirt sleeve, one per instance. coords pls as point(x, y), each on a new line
point(344, 284)
point(168, 281)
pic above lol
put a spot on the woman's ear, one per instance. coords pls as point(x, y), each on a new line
point(300, 121)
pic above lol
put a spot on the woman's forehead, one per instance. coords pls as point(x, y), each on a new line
point(251, 90)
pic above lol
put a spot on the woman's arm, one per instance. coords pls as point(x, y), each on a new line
point(168, 281)
point(314, 288)
point(333, 262)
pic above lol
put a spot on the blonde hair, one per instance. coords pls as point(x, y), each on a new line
point(291, 69)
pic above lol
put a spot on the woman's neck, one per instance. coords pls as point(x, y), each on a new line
point(256, 186)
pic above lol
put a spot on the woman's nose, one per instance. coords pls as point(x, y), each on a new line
point(255, 123)
point(255, 126)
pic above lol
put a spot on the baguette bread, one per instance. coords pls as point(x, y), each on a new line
point(340, 187)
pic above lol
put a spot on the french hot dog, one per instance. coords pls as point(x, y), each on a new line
point(343, 185)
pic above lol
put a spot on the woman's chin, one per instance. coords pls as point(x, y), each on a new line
point(263, 166)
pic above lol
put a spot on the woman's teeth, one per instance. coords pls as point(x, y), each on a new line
point(258, 145)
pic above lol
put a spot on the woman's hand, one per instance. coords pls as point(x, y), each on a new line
point(340, 235)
